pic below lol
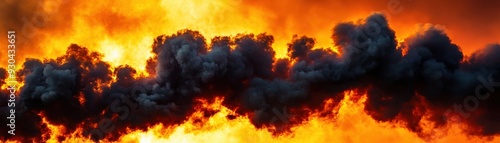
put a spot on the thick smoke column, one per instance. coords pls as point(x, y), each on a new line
point(243, 70)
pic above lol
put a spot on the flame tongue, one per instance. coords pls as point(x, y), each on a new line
point(351, 124)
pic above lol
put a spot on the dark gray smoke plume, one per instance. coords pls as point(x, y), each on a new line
point(432, 75)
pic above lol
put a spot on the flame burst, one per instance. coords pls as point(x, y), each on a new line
point(123, 33)
point(351, 125)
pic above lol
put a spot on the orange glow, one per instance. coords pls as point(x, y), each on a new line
point(124, 31)
point(54, 132)
point(351, 125)
point(81, 98)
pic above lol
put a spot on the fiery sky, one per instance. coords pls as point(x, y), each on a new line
point(423, 60)
point(124, 30)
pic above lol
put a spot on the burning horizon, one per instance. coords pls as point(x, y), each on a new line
point(253, 71)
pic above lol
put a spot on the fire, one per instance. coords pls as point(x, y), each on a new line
point(123, 32)
point(55, 134)
point(351, 125)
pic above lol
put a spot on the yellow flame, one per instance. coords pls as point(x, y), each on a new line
point(352, 125)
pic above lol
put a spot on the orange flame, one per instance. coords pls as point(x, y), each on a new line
point(123, 32)
point(352, 124)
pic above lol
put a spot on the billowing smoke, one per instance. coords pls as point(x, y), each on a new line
point(426, 74)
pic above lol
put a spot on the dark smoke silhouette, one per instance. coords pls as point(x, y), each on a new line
point(243, 70)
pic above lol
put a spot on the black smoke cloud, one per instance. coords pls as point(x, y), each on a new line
point(244, 71)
